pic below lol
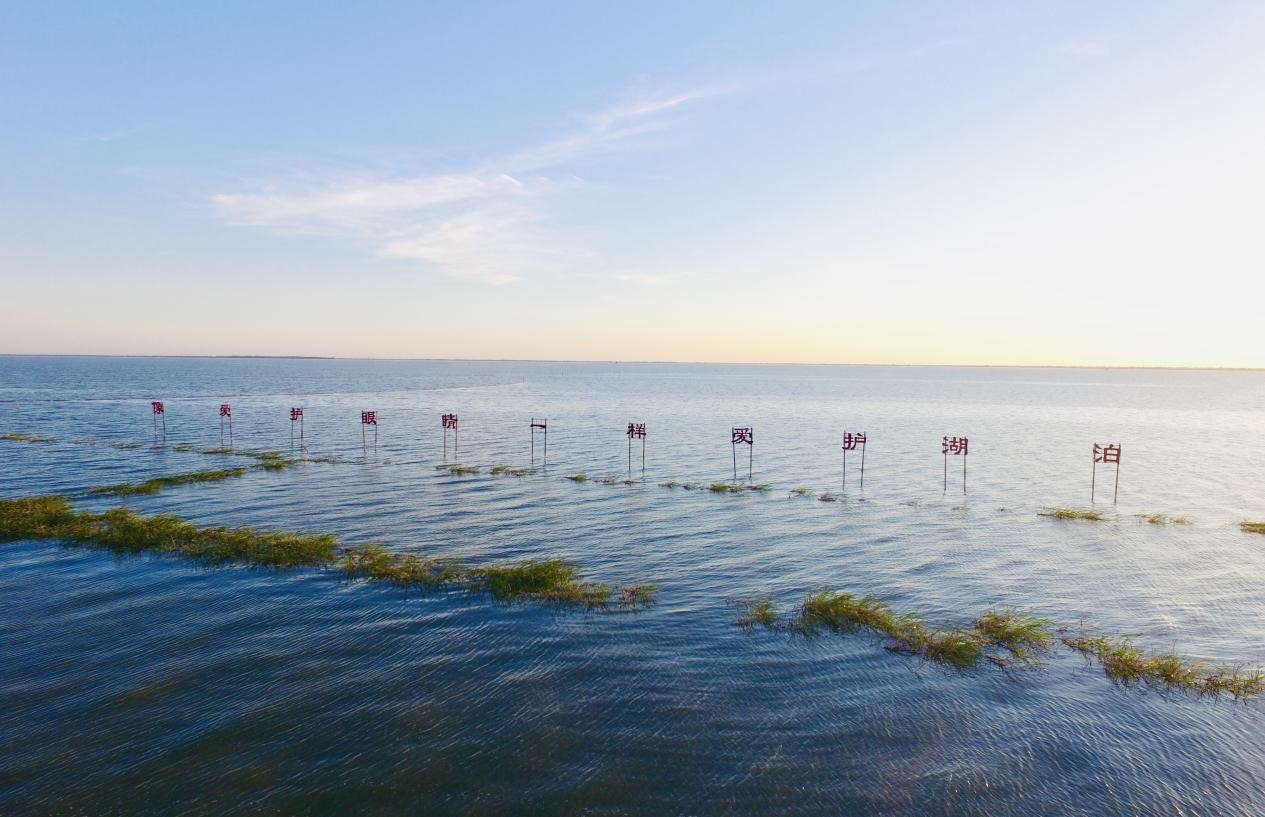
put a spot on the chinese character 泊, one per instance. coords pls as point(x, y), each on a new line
point(1107, 453)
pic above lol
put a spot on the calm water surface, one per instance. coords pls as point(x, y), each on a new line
point(152, 686)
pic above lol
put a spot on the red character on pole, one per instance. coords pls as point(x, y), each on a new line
point(637, 431)
point(226, 411)
point(959, 447)
point(449, 422)
point(368, 418)
point(1108, 453)
point(740, 435)
point(159, 410)
point(543, 425)
point(850, 443)
point(296, 416)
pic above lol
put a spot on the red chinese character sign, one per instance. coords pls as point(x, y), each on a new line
point(958, 447)
point(742, 435)
point(450, 424)
point(542, 426)
point(226, 413)
point(296, 416)
point(851, 442)
point(1105, 453)
point(637, 431)
point(159, 410)
point(368, 418)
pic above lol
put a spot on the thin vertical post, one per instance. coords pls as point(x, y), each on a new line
point(863, 466)
point(843, 484)
point(946, 472)
point(544, 459)
point(750, 458)
point(963, 474)
point(445, 445)
point(533, 441)
point(643, 457)
point(364, 440)
point(734, 447)
point(1116, 492)
point(1093, 479)
point(630, 455)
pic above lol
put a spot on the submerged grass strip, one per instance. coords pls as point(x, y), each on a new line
point(1127, 665)
point(1248, 526)
point(1006, 638)
point(153, 486)
point(121, 530)
point(16, 437)
point(1074, 513)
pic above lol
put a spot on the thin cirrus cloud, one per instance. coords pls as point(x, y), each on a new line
point(488, 223)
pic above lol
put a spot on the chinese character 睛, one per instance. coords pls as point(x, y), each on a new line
point(955, 445)
point(1107, 453)
point(226, 410)
point(741, 435)
point(369, 418)
point(295, 413)
point(158, 407)
point(450, 421)
point(637, 430)
point(851, 441)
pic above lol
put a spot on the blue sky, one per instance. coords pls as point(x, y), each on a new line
point(1047, 183)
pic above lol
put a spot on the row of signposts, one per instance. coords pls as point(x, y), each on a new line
point(1103, 453)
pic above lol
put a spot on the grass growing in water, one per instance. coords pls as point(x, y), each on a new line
point(1164, 519)
point(153, 486)
point(1023, 636)
point(1074, 513)
point(1248, 526)
point(459, 470)
point(1127, 665)
point(669, 484)
point(121, 530)
point(580, 477)
point(498, 470)
point(17, 437)
point(757, 612)
point(724, 488)
point(801, 491)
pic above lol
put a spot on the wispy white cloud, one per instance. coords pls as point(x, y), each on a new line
point(481, 223)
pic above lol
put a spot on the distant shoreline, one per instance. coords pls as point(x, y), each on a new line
point(655, 362)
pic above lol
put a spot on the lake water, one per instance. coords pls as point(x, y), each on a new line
point(153, 686)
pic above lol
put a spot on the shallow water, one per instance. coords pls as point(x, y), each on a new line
point(149, 685)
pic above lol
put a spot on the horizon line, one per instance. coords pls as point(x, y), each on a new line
point(650, 362)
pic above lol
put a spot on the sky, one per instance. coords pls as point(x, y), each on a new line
point(1004, 183)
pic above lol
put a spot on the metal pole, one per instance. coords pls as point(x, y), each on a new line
point(733, 446)
point(1116, 492)
point(863, 467)
point(643, 456)
point(630, 455)
point(750, 457)
point(964, 474)
point(844, 480)
point(1093, 480)
point(445, 445)
point(544, 459)
point(946, 472)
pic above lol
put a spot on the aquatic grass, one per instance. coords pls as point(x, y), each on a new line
point(1248, 526)
point(1164, 519)
point(459, 470)
point(827, 497)
point(1074, 513)
point(801, 491)
point(125, 446)
point(124, 531)
point(761, 487)
point(1025, 637)
point(725, 488)
point(498, 470)
point(580, 477)
point(272, 460)
point(669, 484)
point(759, 611)
point(18, 437)
point(153, 486)
point(1127, 665)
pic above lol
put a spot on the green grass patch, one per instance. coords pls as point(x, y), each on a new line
point(459, 470)
point(725, 488)
point(499, 470)
point(1248, 526)
point(580, 477)
point(1125, 664)
point(669, 484)
point(153, 486)
point(761, 487)
point(1025, 638)
point(17, 437)
point(1074, 513)
point(757, 612)
point(123, 531)
point(1164, 519)
point(801, 491)
point(125, 446)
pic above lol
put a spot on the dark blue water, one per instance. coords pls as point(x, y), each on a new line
point(152, 686)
